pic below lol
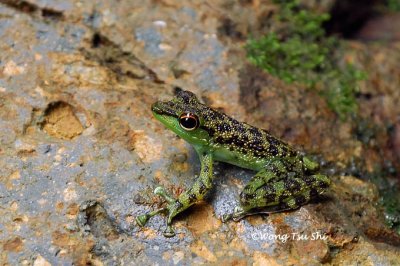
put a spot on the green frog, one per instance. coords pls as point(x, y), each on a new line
point(285, 179)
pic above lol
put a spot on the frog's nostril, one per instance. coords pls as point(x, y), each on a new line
point(163, 108)
point(155, 107)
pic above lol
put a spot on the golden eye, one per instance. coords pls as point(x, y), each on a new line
point(189, 121)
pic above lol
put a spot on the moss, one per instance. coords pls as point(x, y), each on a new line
point(298, 51)
point(391, 201)
point(383, 178)
point(393, 5)
point(341, 88)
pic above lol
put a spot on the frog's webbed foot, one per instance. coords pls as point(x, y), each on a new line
point(171, 208)
point(141, 220)
point(237, 215)
point(160, 191)
point(169, 231)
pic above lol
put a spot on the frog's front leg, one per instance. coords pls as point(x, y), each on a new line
point(196, 193)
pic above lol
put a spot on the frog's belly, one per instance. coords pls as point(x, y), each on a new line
point(239, 159)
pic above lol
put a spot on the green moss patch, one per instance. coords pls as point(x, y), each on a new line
point(298, 51)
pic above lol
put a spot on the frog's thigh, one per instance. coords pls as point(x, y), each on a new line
point(300, 190)
point(260, 179)
point(288, 193)
point(259, 190)
point(317, 183)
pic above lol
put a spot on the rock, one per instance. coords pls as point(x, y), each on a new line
point(81, 154)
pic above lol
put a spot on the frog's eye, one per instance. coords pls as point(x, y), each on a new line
point(189, 121)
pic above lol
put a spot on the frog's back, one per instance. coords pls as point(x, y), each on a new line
point(242, 144)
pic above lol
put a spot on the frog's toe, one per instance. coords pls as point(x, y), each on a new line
point(238, 214)
point(141, 220)
point(237, 217)
point(169, 232)
point(160, 191)
point(226, 217)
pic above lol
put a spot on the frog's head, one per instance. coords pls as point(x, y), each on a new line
point(184, 116)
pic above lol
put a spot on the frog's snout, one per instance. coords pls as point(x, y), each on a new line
point(164, 108)
point(156, 108)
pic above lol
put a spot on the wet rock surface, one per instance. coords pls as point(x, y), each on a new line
point(80, 152)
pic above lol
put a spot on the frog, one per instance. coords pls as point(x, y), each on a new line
point(285, 178)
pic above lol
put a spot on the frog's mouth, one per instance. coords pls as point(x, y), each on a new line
point(167, 115)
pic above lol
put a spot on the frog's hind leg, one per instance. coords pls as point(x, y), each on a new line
point(279, 192)
point(248, 197)
point(271, 197)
